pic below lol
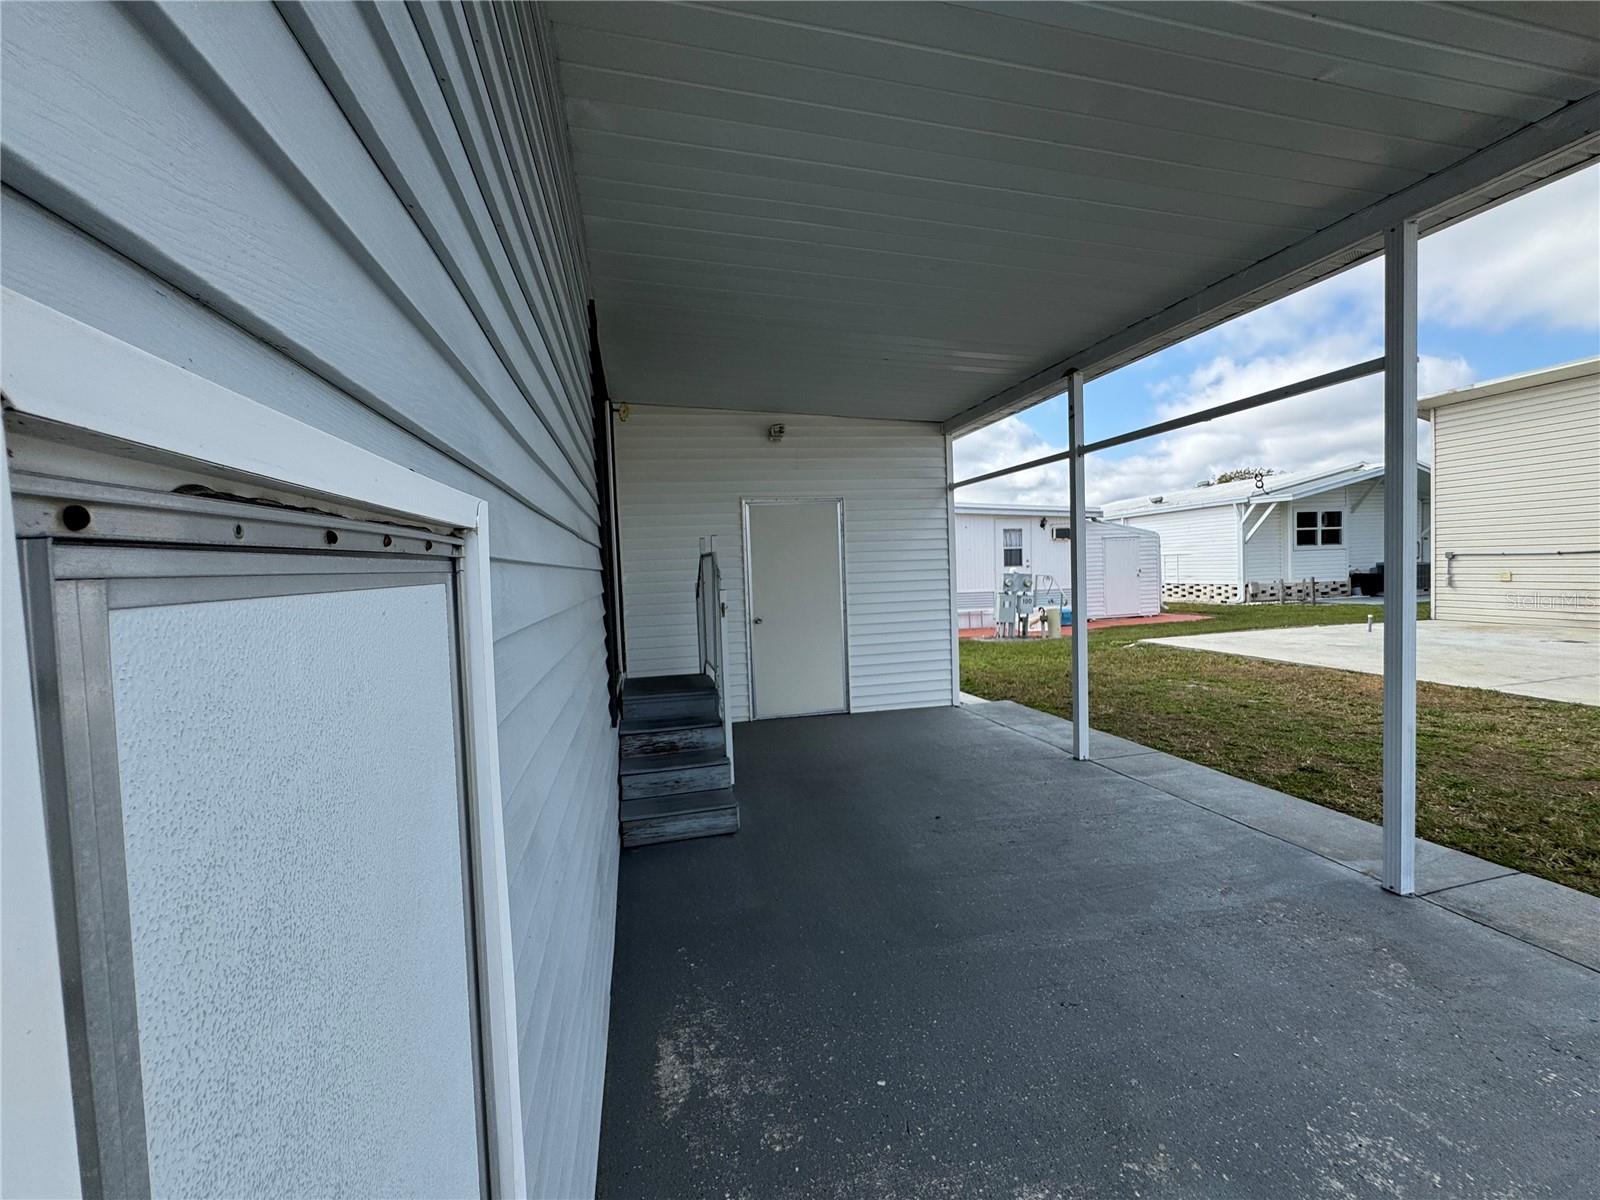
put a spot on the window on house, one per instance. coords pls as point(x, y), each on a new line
point(1011, 543)
point(1312, 528)
point(1062, 533)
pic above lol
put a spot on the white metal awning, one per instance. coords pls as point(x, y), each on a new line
point(932, 212)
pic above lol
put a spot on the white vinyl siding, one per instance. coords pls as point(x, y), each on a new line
point(1264, 550)
point(980, 542)
point(1516, 476)
point(1149, 567)
point(979, 568)
point(683, 474)
point(1320, 561)
point(1363, 524)
point(1198, 545)
point(363, 217)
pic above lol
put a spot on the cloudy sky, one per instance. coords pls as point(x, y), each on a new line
point(1513, 289)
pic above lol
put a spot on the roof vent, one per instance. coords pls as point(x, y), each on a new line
point(1157, 499)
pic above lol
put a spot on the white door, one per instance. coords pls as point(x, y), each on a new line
point(796, 599)
point(1121, 558)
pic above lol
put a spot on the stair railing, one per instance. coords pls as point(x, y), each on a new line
point(711, 627)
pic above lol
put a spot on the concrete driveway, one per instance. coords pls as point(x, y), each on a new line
point(1552, 665)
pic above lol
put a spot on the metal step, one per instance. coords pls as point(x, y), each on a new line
point(671, 774)
point(678, 818)
point(670, 696)
point(670, 735)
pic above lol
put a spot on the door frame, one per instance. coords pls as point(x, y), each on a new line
point(93, 386)
point(746, 503)
point(73, 584)
point(1105, 572)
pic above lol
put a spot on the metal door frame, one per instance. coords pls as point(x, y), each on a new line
point(745, 505)
point(87, 550)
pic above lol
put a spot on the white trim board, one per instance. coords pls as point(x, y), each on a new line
point(57, 369)
point(38, 1136)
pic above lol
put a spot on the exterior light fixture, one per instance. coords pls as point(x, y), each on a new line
point(775, 433)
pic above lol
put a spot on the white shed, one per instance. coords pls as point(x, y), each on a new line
point(991, 539)
point(1255, 539)
point(1517, 507)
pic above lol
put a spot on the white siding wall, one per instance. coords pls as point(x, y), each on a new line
point(1270, 554)
point(1264, 552)
point(1051, 557)
point(1318, 562)
point(1198, 545)
point(1149, 570)
point(363, 217)
point(979, 541)
point(1363, 524)
point(979, 569)
point(977, 552)
point(683, 474)
point(1519, 472)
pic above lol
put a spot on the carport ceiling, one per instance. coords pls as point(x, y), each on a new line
point(923, 211)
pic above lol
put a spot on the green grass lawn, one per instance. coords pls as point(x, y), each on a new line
point(1512, 779)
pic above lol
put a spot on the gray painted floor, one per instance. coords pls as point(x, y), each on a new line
point(1552, 664)
point(942, 959)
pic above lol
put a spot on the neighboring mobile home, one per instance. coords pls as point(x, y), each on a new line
point(1272, 536)
point(991, 539)
point(1516, 499)
point(357, 614)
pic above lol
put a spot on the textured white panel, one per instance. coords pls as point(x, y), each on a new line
point(290, 806)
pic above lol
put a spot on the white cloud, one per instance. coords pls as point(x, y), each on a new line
point(1325, 429)
point(1534, 261)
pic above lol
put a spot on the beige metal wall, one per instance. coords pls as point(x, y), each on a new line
point(1516, 478)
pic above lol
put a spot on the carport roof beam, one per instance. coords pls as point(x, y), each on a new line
point(1541, 150)
point(1360, 370)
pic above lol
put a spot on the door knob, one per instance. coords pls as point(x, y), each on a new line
point(755, 620)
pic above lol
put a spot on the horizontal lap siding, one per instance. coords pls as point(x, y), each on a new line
point(1149, 568)
point(1198, 545)
point(1264, 560)
point(1363, 523)
point(1150, 575)
point(1318, 562)
point(290, 202)
point(683, 474)
point(1519, 472)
